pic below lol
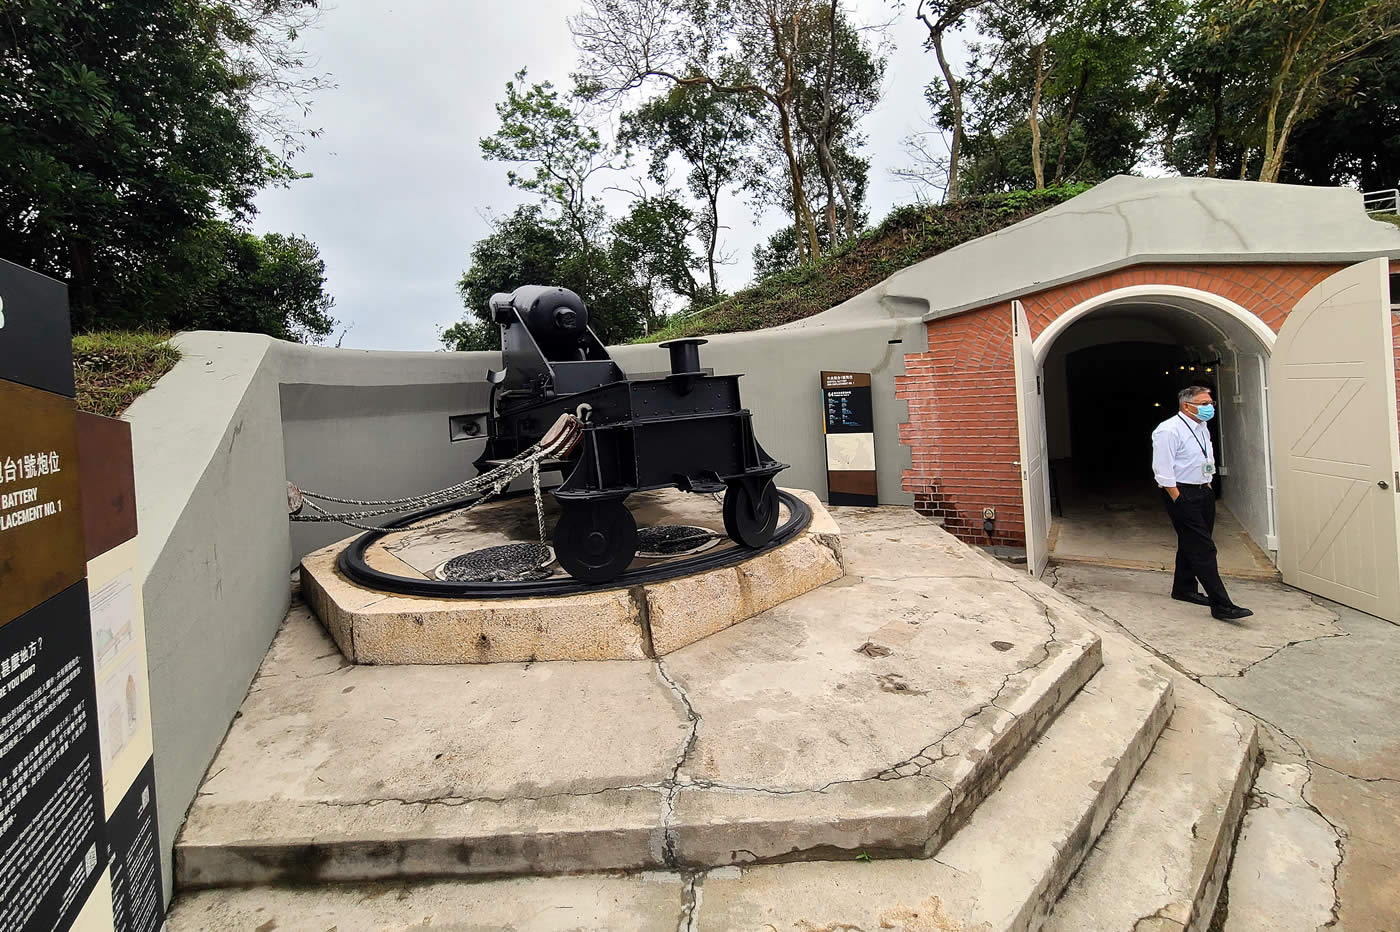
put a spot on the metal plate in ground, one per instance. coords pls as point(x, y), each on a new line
point(674, 540)
point(508, 562)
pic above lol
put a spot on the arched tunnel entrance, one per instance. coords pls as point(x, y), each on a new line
point(1111, 373)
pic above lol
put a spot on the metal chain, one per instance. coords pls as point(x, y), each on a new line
point(497, 479)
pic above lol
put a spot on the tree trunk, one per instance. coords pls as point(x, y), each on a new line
point(1271, 168)
point(1169, 139)
point(950, 193)
point(713, 244)
point(1069, 121)
point(1217, 120)
point(1270, 121)
point(801, 210)
point(80, 283)
point(830, 173)
point(1038, 63)
point(849, 220)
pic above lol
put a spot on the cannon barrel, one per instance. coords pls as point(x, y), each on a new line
point(556, 317)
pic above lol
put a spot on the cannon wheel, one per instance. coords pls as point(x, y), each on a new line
point(751, 517)
point(595, 541)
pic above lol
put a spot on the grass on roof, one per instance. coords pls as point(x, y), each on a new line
point(114, 368)
point(908, 235)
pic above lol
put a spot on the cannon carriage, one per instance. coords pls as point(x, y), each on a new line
point(686, 430)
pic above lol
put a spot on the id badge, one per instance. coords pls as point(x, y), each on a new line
point(1209, 469)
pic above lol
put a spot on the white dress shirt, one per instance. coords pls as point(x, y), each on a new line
point(1181, 448)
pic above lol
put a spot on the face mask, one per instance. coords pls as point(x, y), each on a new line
point(1205, 412)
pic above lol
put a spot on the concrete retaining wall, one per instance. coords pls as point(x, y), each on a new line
point(217, 439)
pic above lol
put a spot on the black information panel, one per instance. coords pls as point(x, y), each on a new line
point(52, 844)
point(849, 424)
point(36, 344)
point(848, 407)
point(52, 829)
point(135, 847)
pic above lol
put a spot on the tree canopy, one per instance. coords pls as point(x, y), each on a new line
point(131, 136)
point(766, 100)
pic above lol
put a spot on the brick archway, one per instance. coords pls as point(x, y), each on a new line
point(962, 427)
point(1167, 295)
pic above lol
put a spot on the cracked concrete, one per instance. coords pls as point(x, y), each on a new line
point(1319, 846)
point(771, 740)
point(1193, 639)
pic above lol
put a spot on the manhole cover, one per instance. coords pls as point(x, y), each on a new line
point(671, 540)
point(499, 564)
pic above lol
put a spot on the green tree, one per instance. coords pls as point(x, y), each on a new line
point(841, 77)
point(529, 247)
point(1352, 137)
point(713, 133)
point(230, 279)
point(540, 131)
point(126, 126)
point(654, 239)
point(1248, 74)
point(941, 17)
point(764, 51)
point(1060, 90)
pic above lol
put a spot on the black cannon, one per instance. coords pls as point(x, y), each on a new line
point(685, 430)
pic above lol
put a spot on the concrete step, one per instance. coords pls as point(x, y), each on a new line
point(1008, 865)
point(870, 715)
point(1161, 862)
point(1001, 871)
point(647, 902)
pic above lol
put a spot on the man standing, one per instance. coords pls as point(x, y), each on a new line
point(1183, 462)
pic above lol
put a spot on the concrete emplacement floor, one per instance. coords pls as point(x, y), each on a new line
point(856, 716)
point(932, 741)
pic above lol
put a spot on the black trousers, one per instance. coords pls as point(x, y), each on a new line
point(1193, 516)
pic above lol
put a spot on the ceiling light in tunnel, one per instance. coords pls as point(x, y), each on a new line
point(1207, 368)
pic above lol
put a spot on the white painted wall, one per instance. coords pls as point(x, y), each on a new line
point(1243, 425)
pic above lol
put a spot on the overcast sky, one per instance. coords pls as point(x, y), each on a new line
point(399, 190)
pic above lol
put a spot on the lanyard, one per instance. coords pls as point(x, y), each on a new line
point(1194, 437)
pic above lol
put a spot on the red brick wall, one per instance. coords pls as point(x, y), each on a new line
point(962, 393)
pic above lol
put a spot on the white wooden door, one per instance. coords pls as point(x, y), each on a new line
point(1332, 407)
point(1030, 417)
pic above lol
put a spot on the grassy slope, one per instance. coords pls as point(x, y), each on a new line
point(907, 235)
point(114, 368)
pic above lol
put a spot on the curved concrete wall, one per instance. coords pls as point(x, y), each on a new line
point(217, 439)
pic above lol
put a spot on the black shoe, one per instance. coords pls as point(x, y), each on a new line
point(1230, 612)
point(1194, 598)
